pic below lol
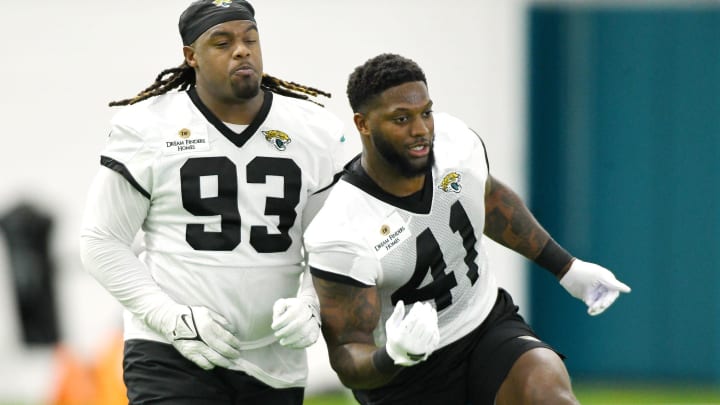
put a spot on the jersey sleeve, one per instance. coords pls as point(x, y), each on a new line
point(114, 213)
point(335, 253)
point(130, 154)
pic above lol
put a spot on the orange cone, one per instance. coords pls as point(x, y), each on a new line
point(75, 380)
point(110, 388)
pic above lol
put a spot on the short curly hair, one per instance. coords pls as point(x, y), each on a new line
point(379, 74)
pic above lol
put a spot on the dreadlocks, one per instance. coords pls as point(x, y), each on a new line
point(183, 77)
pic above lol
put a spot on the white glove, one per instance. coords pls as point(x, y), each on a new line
point(594, 285)
point(202, 336)
point(295, 323)
point(412, 339)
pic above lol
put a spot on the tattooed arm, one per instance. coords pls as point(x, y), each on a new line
point(349, 316)
point(509, 222)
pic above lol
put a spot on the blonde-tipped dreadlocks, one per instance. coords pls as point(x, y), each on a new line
point(183, 76)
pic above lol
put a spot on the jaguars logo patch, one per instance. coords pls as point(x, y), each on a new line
point(222, 3)
point(451, 182)
point(278, 139)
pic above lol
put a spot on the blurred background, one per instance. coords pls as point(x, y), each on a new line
point(603, 115)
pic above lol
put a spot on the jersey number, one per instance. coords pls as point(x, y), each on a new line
point(225, 203)
point(430, 258)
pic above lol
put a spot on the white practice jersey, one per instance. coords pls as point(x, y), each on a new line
point(426, 247)
point(227, 210)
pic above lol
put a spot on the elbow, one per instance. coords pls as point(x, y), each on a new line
point(341, 371)
point(95, 251)
point(89, 253)
point(359, 384)
point(352, 381)
point(86, 243)
point(356, 380)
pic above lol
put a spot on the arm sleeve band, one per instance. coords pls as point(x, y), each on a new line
point(553, 257)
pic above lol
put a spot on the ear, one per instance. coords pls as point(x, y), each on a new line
point(189, 54)
point(361, 123)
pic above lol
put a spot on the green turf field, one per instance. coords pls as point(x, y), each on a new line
point(601, 394)
point(588, 394)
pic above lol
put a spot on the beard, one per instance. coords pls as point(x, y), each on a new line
point(245, 90)
point(405, 167)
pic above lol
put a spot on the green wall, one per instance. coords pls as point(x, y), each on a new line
point(624, 117)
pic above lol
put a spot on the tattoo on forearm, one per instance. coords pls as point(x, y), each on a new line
point(349, 317)
point(351, 312)
point(364, 315)
point(509, 222)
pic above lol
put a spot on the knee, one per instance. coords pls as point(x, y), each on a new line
point(538, 377)
point(548, 392)
point(538, 389)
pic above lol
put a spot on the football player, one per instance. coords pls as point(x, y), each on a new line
point(411, 311)
point(222, 167)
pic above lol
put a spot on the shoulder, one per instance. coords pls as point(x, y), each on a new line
point(315, 132)
point(450, 129)
point(300, 106)
point(449, 125)
point(152, 112)
point(342, 200)
point(455, 141)
point(337, 219)
point(306, 113)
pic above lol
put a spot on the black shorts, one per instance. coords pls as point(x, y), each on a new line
point(155, 373)
point(468, 371)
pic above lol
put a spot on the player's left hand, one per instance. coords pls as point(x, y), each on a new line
point(295, 323)
point(594, 285)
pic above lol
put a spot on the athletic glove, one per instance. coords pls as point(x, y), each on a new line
point(201, 335)
point(295, 323)
point(594, 285)
point(413, 338)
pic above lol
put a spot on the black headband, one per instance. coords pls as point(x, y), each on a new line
point(204, 14)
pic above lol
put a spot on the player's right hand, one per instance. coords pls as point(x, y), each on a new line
point(203, 337)
point(412, 338)
point(295, 323)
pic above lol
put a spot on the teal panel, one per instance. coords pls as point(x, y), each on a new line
point(625, 171)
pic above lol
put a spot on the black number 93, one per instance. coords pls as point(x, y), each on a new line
point(225, 203)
